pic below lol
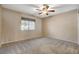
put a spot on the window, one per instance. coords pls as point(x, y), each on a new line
point(27, 24)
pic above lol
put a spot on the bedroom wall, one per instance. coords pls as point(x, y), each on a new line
point(11, 27)
point(78, 25)
point(0, 24)
point(62, 26)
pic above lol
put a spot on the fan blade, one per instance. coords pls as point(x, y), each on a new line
point(51, 10)
point(38, 9)
point(39, 13)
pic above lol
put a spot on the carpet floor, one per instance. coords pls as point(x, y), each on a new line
point(40, 46)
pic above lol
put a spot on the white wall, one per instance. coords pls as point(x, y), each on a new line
point(62, 26)
point(11, 27)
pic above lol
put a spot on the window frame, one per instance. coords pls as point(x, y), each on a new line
point(28, 19)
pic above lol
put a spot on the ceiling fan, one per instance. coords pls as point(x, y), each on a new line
point(45, 9)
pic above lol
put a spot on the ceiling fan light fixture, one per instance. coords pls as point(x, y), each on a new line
point(44, 9)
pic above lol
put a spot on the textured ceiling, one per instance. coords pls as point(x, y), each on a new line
point(31, 8)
